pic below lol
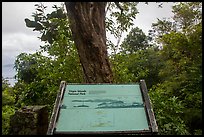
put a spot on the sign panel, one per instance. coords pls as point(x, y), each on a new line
point(102, 107)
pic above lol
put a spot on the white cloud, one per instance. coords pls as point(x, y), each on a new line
point(148, 14)
point(14, 13)
point(16, 37)
point(20, 42)
point(14, 44)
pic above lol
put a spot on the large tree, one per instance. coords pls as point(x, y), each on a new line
point(135, 40)
point(88, 25)
point(87, 22)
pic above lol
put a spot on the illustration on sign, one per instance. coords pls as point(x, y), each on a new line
point(104, 103)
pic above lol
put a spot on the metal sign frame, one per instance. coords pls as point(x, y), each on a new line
point(56, 109)
point(147, 104)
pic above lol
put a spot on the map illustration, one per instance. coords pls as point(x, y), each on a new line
point(108, 103)
point(103, 103)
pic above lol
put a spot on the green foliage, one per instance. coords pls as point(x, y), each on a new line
point(7, 111)
point(146, 64)
point(5, 84)
point(181, 73)
point(24, 67)
point(120, 21)
point(33, 24)
point(135, 40)
point(8, 101)
point(187, 14)
point(173, 73)
point(168, 112)
point(39, 76)
point(143, 64)
point(137, 59)
point(49, 74)
point(120, 69)
point(8, 97)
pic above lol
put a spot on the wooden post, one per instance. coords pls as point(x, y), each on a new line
point(149, 110)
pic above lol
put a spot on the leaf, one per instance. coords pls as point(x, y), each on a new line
point(38, 27)
point(37, 18)
point(46, 24)
point(30, 24)
point(49, 37)
point(40, 10)
point(43, 37)
point(55, 6)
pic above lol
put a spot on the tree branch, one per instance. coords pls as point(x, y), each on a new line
point(118, 5)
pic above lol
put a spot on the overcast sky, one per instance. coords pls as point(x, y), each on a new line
point(17, 38)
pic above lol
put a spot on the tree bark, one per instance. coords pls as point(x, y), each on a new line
point(87, 23)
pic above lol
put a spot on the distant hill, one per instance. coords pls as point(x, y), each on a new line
point(8, 72)
point(8, 65)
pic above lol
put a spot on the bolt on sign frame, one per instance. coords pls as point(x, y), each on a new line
point(102, 109)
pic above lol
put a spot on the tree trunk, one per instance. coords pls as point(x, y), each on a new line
point(87, 22)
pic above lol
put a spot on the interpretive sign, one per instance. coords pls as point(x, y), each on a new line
point(100, 109)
